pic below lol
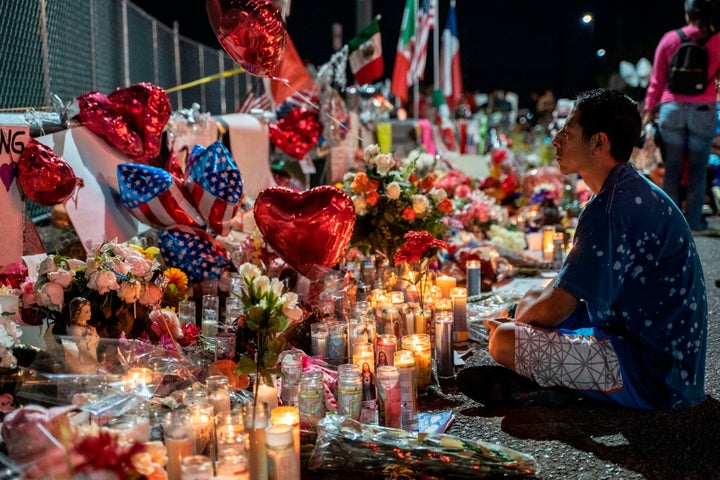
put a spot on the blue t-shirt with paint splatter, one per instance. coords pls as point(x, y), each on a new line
point(635, 265)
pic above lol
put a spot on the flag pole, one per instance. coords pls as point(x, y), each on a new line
point(416, 80)
point(436, 47)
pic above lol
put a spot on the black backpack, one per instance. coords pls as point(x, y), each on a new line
point(688, 72)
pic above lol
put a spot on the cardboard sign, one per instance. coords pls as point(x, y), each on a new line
point(12, 207)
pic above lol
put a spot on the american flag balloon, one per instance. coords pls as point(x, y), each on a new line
point(215, 184)
point(155, 198)
point(194, 251)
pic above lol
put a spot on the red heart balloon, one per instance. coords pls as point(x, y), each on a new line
point(44, 177)
point(296, 133)
point(131, 119)
point(306, 228)
point(252, 32)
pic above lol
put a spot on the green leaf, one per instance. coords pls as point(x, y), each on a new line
point(245, 366)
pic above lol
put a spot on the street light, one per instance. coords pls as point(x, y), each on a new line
point(587, 18)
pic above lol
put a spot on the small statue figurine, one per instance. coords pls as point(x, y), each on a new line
point(81, 348)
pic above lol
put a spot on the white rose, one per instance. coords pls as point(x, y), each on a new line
point(385, 163)
point(289, 306)
point(438, 194)
point(276, 287)
point(348, 177)
point(420, 204)
point(359, 202)
point(102, 281)
point(425, 161)
point(261, 285)
point(371, 151)
point(248, 271)
point(393, 190)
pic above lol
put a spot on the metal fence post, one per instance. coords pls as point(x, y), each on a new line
point(221, 69)
point(201, 65)
point(45, 53)
point(126, 45)
point(176, 44)
point(156, 53)
point(93, 45)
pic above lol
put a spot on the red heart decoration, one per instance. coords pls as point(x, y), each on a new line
point(296, 133)
point(131, 119)
point(44, 177)
point(252, 32)
point(306, 228)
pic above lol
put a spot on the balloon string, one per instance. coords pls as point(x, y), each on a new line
point(310, 102)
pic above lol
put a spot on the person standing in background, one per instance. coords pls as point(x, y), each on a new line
point(686, 122)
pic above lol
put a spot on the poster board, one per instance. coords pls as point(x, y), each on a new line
point(13, 139)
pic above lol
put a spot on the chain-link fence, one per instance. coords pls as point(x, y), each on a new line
point(67, 48)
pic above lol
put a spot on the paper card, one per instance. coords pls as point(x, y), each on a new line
point(12, 142)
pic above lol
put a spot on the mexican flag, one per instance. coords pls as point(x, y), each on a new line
point(365, 54)
point(406, 43)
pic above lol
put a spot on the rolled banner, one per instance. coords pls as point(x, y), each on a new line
point(155, 198)
point(215, 184)
point(194, 251)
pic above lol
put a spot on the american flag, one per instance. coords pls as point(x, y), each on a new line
point(425, 23)
point(215, 184)
point(154, 197)
point(257, 98)
point(194, 251)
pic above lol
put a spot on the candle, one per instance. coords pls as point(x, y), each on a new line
point(459, 300)
point(255, 415)
point(534, 241)
point(363, 352)
point(570, 232)
point(444, 361)
point(405, 361)
point(202, 419)
point(337, 346)
point(386, 345)
point(138, 377)
point(548, 234)
point(197, 467)
point(219, 396)
point(412, 292)
point(420, 345)
point(472, 269)
point(230, 433)
point(409, 312)
point(288, 416)
point(445, 283)
point(397, 298)
point(558, 248)
point(178, 441)
point(319, 338)
point(267, 393)
point(388, 385)
point(391, 321)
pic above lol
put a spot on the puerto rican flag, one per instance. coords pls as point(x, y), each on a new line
point(194, 251)
point(154, 197)
point(215, 185)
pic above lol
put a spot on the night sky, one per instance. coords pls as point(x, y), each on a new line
point(517, 45)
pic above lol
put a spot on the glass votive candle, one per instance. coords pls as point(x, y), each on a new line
point(230, 433)
point(445, 283)
point(472, 271)
point(197, 467)
point(405, 361)
point(385, 347)
point(202, 419)
point(319, 339)
point(420, 345)
point(286, 415)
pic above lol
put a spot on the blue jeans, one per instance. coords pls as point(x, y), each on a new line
point(687, 131)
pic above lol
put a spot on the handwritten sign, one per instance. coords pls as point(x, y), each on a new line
point(12, 207)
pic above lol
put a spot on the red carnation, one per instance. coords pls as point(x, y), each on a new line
point(417, 246)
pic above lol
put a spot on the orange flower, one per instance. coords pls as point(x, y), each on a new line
point(362, 183)
point(446, 205)
point(178, 278)
point(372, 198)
point(428, 182)
point(409, 214)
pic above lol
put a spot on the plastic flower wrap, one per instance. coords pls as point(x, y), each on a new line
point(391, 199)
point(344, 444)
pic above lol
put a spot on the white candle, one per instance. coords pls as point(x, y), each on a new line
point(267, 394)
point(420, 345)
point(405, 361)
point(202, 419)
point(288, 416)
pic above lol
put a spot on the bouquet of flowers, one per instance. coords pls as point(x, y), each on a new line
point(115, 277)
point(416, 252)
point(391, 199)
point(267, 311)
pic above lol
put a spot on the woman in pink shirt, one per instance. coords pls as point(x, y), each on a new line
point(686, 122)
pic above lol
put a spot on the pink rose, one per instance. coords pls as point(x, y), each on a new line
point(461, 191)
point(61, 277)
point(52, 296)
point(139, 265)
point(129, 292)
point(102, 281)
